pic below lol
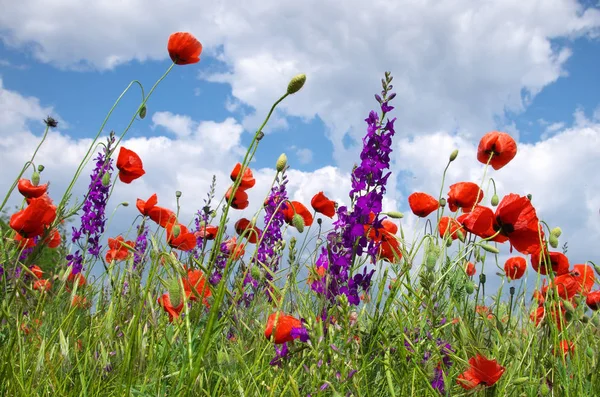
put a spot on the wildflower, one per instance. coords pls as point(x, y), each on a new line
point(184, 49)
point(130, 165)
point(118, 249)
point(514, 267)
point(464, 195)
point(247, 181)
point(449, 226)
point(565, 347)
point(172, 311)
point(250, 232)
point(184, 241)
point(37, 271)
point(54, 240)
point(79, 302)
point(42, 285)
point(557, 261)
point(470, 269)
point(76, 278)
point(501, 146)
point(51, 122)
point(35, 218)
point(422, 204)
point(141, 243)
point(283, 327)
point(240, 198)
point(481, 371)
point(291, 208)
point(195, 286)
point(24, 242)
point(27, 189)
point(296, 83)
point(280, 354)
point(323, 205)
point(160, 215)
point(593, 300)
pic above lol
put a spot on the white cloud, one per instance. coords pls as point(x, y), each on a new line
point(304, 155)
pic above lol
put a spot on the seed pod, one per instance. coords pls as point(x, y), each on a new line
point(490, 248)
point(395, 214)
point(35, 178)
point(454, 155)
point(281, 162)
point(495, 200)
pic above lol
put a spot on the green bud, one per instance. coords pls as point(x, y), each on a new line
point(461, 236)
point(529, 197)
point(585, 319)
point(178, 194)
point(296, 83)
point(222, 357)
point(482, 278)
point(431, 261)
point(597, 269)
point(544, 389)
point(495, 200)
point(176, 231)
point(590, 352)
point(143, 111)
point(35, 178)
point(568, 306)
point(174, 292)
point(281, 162)
point(256, 274)
point(449, 242)
point(395, 214)
point(125, 204)
point(442, 202)
point(520, 381)
point(553, 241)
point(298, 223)
point(454, 155)
point(596, 321)
point(557, 231)
point(106, 179)
point(490, 248)
point(41, 168)
point(469, 288)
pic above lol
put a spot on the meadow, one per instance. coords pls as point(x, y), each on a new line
point(303, 299)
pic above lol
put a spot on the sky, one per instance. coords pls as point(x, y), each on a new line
point(461, 68)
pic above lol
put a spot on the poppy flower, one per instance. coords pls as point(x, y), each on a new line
point(296, 207)
point(118, 249)
point(195, 286)
point(130, 165)
point(77, 278)
point(565, 347)
point(172, 311)
point(208, 232)
point(584, 276)
point(247, 181)
point(42, 285)
point(515, 267)
point(422, 204)
point(184, 241)
point(481, 371)
point(557, 261)
point(160, 215)
point(184, 49)
point(234, 248)
point(323, 205)
point(251, 233)
point(240, 198)
point(145, 206)
point(538, 315)
point(37, 271)
point(35, 218)
point(470, 269)
point(501, 146)
point(54, 240)
point(389, 247)
point(593, 300)
point(79, 302)
point(283, 327)
point(557, 313)
point(24, 242)
point(464, 195)
point(566, 285)
point(27, 189)
point(449, 226)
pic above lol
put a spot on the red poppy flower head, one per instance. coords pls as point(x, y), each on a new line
point(54, 239)
point(240, 198)
point(37, 271)
point(247, 181)
point(42, 285)
point(172, 311)
point(244, 227)
point(195, 286)
point(282, 324)
point(450, 226)
point(557, 261)
point(24, 242)
point(184, 49)
point(323, 205)
point(27, 189)
point(584, 276)
point(422, 204)
point(564, 347)
point(130, 165)
point(208, 232)
point(35, 218)
point(514, 267)
point(296, 207)
point(145, 206)
point(179, 237)
point(464, 195)
point(593, 300)
point(501, 146)
point(470, 269)
point(481, 372)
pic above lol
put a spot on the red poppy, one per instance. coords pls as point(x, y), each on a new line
point(27, 189)
point(35, 218)
point(593, 300)
point(37, 271)
point(160, 215)
point(195, 286)
point(79, 302)
point(130, 165)
point(470, 269)
point(538, 315)
point(24, 242)
point(207, 232)
point(323, 205)
point(451, 226)
point(42, 285)
point(389, 247)
point(184, 241)
point(566, 285)
point(247, 180)
point(234, 248)
point(283, 327)
point(240, 199)
point(172, 311)
point(118, 249)
point(54, 239)
point(584, 276)
point(557, 261)
point(296, 207)
point(422, 204)
point(515, 267)
point(251, 233)
point(464, 195)
point(481, 371)
point(145, 206)
point(184, 49)
point(558, 314)
point(501, 146)
point(75, 278)
point(565, 347)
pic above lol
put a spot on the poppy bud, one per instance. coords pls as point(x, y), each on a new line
point(298, 222)
point(490, 248)
point(255, 272)
point(174, 292)
point(454, 155)
point(449, 242)
point(597, 269)
point(529, 197)
point(585, 319)
point(557, 231)
point(281, 162)
point(553, 241)
point(482, 278)
point(41, 168)
point(512, 291)
point(544, 389)
point(176, 231)
point(296, 83)
point(590, 352)
point(35, 178)
point(395, 214)
point(106, 179)
point(143, 111)
point(495, 200)
point(51, 122)
point(460, 235)
point(568, 306)
point(469, 288)
point(442, 202)
point(125, 204)
point(178, 193)
point(520, 381)
point(596, 321)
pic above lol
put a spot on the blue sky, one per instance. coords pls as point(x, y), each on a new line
point(461, 69)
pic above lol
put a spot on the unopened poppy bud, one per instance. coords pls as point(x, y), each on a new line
point(544, 389)
point(143, 111)
point(469, 288)
point(461, 236)
point(585, 319)
point(174, 292)
point(449, 242)
point(454, 155)
point(296, 83)
point(568, 306)
point(106, 179)
point(35, 178)
point(41, 168)
point(520, 381)
point(281, 162)
point(395, 214)
point(442, 202)
point(298, 223)
point(125, 203)
point(597, 269)
point(553, 241)
point(255, 272)
point(482, 278)
point(176, 231)
point(557, 231)
point(495, 200)
point(178, 194)
point(529, 197)
point(490, 248)
point(512, 290)
point(590, 352)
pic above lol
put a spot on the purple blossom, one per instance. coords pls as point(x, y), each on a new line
point(280, 354)
point(300, 333)
point(141, 243)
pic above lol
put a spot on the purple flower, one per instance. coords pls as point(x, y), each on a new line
point(280, 354)
point(300, 333)
point(141, 243)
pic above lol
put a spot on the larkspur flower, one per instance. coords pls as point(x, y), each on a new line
point(141, 243)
